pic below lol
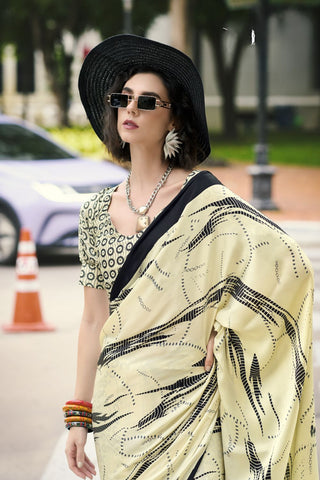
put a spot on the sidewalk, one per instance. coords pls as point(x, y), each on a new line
point(295, 190)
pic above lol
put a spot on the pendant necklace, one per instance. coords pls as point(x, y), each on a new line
point(143, 219)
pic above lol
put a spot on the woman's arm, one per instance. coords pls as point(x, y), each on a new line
point(95, 314)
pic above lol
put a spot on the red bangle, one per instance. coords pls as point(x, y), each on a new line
point(79, 402)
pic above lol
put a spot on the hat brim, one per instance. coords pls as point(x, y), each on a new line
point(120, 53)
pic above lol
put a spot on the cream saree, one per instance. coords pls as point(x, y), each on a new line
point(209, 260)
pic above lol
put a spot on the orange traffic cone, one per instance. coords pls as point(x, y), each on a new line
point(27, 313)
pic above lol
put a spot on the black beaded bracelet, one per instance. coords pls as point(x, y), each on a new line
point(86, 425)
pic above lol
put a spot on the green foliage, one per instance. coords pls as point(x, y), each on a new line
point(144, 12)
point(80, 139)
point(45, 23)
point(210, 16)
point(108, 16)
point(285, 148)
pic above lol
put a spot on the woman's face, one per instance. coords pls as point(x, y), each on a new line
point(148, 127)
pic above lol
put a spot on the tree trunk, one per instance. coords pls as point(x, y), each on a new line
point(229, 111)
point(226, 85)
point(58, 66)
point(227, 75)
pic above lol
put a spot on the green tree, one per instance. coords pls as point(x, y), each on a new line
point(46, 23)
point(211, 17)
point(107, 16)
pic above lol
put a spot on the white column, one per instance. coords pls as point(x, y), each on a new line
point(178, 14)
point(9, 71)
point(40, 74)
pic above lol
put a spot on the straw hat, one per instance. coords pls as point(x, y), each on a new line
point(120, 53)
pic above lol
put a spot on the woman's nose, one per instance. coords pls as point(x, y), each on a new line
point(132, 104)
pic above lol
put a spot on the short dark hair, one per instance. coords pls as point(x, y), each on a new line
point(182, 113)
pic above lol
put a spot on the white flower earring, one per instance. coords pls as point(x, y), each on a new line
point(172, 144)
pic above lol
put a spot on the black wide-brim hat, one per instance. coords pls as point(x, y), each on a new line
point(120, 53)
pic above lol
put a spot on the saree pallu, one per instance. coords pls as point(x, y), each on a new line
point(218, 264)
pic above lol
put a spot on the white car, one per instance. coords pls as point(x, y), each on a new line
point(42, 186)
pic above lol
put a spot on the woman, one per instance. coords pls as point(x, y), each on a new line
point(176, 268)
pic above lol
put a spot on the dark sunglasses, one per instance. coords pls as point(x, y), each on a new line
point(144, 102)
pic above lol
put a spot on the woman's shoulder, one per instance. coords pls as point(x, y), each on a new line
point(97, 202)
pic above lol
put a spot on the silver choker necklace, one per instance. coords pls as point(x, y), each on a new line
point(144, 220)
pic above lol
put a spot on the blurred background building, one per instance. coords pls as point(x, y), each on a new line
point(293, 98)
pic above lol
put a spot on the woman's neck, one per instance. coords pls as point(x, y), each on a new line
point(146, 166)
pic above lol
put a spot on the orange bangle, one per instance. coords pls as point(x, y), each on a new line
point(78, 419)
point(76, 407)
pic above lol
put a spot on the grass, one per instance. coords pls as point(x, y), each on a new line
point(294, 147)
point(284, 148)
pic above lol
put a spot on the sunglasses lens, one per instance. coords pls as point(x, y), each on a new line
point(146, 103)
point(118, 100)
point(121, 100)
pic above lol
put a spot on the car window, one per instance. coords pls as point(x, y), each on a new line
point(19, 143)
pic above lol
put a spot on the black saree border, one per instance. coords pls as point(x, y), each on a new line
point(162, 223)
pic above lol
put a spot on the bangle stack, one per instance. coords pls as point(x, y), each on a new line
point(78, 413)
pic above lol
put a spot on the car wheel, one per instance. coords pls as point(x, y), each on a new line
point(9, 236)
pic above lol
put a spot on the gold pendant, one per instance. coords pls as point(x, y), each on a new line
point(142, 222)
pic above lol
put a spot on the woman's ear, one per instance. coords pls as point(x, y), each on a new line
point(175, 123)
point(171, 125)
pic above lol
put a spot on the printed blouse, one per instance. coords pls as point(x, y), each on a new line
point(102, 249)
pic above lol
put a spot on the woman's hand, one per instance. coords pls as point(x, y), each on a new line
point(210, 358)
point(78, 461)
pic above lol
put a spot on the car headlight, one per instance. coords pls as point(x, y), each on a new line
point(59, 193)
